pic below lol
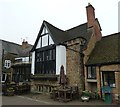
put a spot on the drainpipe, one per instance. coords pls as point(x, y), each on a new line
point(100, 81)
point(29, 57)
point(2, 60)
point(82, 76)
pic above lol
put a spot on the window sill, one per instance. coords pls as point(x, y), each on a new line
point(91, 80)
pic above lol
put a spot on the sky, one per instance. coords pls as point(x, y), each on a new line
point(22, 19)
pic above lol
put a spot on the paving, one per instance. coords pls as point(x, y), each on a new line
point(45, 98)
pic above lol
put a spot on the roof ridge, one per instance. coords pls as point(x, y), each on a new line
point(113, 34)
point(106, 55)
point(53, 26)
point(10, 42)
point(76, 26)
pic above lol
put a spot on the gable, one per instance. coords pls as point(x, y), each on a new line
point(44, 38)
point(58, 36)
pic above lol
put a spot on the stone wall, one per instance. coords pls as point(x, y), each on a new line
point(117, 73)
point(41, 86)
point(91, 45)
point(73, 59)
point(73, 70)
point(99, 80)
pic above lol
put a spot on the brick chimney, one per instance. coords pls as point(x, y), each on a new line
point(25, 44)
point(93, 22)
point(90, 15)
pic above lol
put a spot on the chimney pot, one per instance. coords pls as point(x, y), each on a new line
point(24, 44)
point(89, 4)
point(90, 15)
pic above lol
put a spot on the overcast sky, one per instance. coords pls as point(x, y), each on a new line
point(22, 19)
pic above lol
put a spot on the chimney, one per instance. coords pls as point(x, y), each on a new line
point(90, 15)
point(24, 44)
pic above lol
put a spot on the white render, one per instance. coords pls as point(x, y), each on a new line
point(39, 43)
point(44, 41)
point(60, 58)
point(33, 63)
point(23, 59)
point(60, 52)
point(50, 40)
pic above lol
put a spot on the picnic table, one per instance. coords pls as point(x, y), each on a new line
point(64, 95)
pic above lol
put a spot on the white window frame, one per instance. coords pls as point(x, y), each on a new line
point(5, 75)
point(7, 64)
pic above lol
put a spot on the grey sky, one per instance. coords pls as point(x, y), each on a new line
point(22, 19)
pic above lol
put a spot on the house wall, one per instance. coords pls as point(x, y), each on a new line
point(87, 52)
point(39, 44)
point(73, 63)
point(41, 86)
point(1, 59)
point(115, 68)
point(119, 78)
point(0, 56)
point(33, 63)
point(99, 80)
point(23, 59)
point(73, 60)
point(60, 58)
point(91, 44)
point(90, 83)
point(44, 41)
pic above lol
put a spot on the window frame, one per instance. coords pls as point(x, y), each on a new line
point(48, 64)
point(108, 76)
point(7, 64)
point(92, 71)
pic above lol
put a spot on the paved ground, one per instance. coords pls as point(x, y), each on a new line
point(47, 100)
point(41, 99)
point(20, 100)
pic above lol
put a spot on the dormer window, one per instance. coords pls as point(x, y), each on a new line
point(7, 64)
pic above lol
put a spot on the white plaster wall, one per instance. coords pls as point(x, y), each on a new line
point(33, 63)
point(39, 43)
point(24, 59)
point(45, 40)
point(50, 40)
point(60, 58)
point(1, 56)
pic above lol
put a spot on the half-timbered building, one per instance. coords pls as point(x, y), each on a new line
point(55, 47)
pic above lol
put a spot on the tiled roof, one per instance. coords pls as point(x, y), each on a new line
point(11, 47)
point(61, 36)
point(106, 51)
point(57, 34)
point(14, 48)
